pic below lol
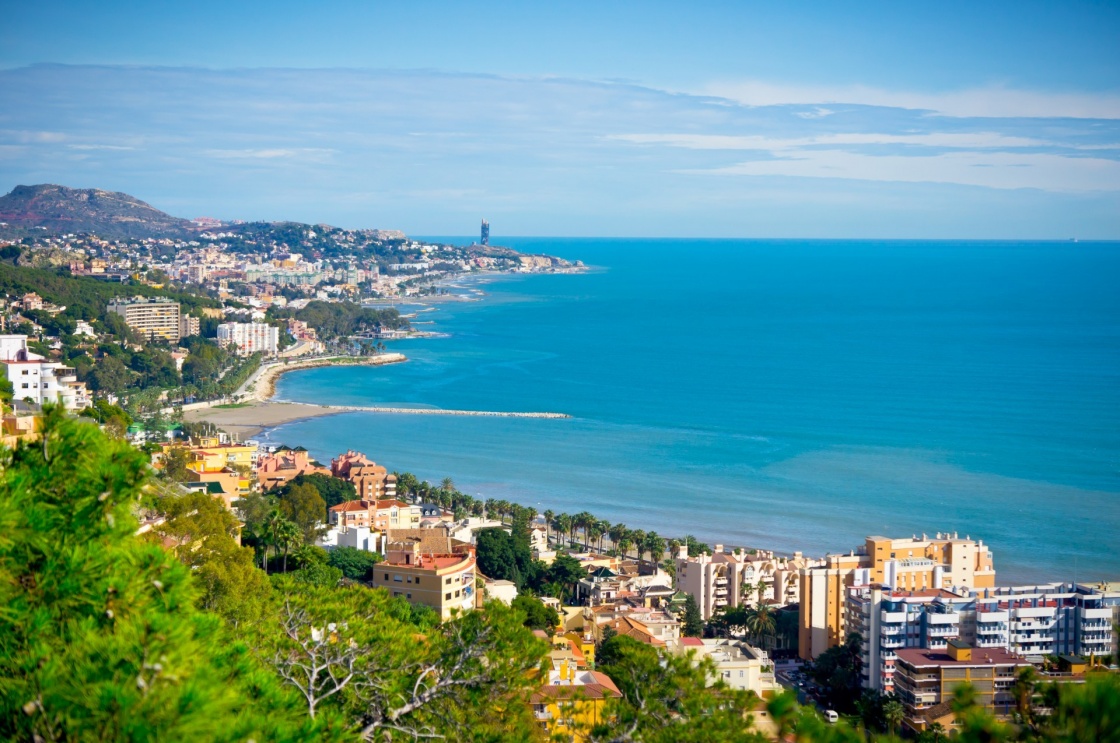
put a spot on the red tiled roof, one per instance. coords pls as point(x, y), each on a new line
point(692, 642)
point(602, 688)
point(351, 505)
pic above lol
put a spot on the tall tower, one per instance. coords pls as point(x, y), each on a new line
point(485, 232)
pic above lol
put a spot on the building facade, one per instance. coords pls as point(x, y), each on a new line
point(247, 338)
point(915, 564)
point(38, 380)
point(153, 317)
point(444, 581)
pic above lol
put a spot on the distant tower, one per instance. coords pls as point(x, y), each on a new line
point(485, 232)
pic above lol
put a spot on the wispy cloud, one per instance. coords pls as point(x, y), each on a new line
point(991, 170)
point(433, 152)
point(985, 102)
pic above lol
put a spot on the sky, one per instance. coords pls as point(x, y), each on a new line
point(746, 119)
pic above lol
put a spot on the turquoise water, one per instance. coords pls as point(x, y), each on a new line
point(793, 395)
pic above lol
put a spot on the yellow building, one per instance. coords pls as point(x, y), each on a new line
point(152, 317)
point(572, 701)
point(441, 580)
point(913, 564)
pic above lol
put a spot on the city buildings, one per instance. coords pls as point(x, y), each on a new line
point(1033, 622)
point(926, 680)
point(247, 338)
point(737, 664)
point(189, 325)
point(37, 380)
point(914, 564)
point(153, 317)
point(285, 464)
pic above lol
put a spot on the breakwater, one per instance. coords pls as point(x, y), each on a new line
point(432, 411)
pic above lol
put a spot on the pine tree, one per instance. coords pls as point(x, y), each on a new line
point(693, 622)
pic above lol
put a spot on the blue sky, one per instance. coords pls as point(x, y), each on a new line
point(707, 119)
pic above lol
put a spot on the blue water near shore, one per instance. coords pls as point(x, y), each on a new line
point(792, 395)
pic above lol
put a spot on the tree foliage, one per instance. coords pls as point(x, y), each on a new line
point(100, 637)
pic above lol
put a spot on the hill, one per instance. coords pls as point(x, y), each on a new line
point(109, 214)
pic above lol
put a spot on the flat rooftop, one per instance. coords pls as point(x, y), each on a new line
point(980, 657)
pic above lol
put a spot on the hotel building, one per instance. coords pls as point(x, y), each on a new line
point(38, 380)
point(442, 580)
point(248, 338)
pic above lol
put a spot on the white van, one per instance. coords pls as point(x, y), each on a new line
point(831, 716)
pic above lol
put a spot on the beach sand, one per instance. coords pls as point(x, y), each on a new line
point(250, 419)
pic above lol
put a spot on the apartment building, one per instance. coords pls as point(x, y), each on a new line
point(38, 380)
point(370, 480)
point(442, 580)
point(284, 465)
point(926, 680)
point(189, 326)
point(737, 664)
point(153, 317)
point(739, 577)
point(248, 338)
point(1027, 621)
point(914, 564)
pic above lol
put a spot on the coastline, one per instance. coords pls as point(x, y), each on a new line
point(250, 417)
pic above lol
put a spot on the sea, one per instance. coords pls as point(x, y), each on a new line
point(789, 395)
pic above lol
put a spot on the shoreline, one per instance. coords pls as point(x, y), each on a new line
point(260, 412)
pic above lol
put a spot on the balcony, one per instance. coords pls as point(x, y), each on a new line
point(943, 618)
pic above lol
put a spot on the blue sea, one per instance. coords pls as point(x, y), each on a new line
point(789, 395)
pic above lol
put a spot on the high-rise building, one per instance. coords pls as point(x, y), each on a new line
point(152, 317)
point(485, 233)
point(248, 338)
point(914, 564)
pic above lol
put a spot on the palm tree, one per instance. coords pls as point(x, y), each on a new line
point(1023, 690)
point(655, 546)
point(548, 516)
point(625, 541)
point(638, 539)
point(594, 533)
point(604, 528)
point(447, 485)
point(272, 529)
point(893, 712)
point(564, 525)
point(617, 532)
point(761, 623)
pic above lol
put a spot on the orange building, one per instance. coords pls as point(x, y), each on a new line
point(371, 480)
point(284, 465)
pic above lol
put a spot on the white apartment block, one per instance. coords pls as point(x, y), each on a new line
point(248, 338)
point(735, 578)
point(35, 379)
point(1029, 621)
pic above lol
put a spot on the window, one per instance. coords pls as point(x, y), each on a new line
point(417, 581)
point(456, 594)
point(25, 387)
point(448, 597)
point(448, 581)
point(408, 596)
point(396, 579)
point(409, 579)
point(386, 576)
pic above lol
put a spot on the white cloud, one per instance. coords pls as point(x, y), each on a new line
point(967, 140)
point(99, 147)
point(990, 169)
point(268, 154)
point(983, 102)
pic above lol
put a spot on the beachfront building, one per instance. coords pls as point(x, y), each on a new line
point(284, 465)
point(248, 338)
point(153, 317)
point(913, 564)
point(371, 481)
point(926, 680)
point(414, 570)
point(38, 381)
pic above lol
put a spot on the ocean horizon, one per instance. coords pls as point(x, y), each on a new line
point(794, 395)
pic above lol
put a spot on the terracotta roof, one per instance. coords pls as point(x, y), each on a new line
point(390, 503)
point(600, 688)
point(692, 642)
point(351, 505)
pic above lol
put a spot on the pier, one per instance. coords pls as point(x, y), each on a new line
point(431, 411)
